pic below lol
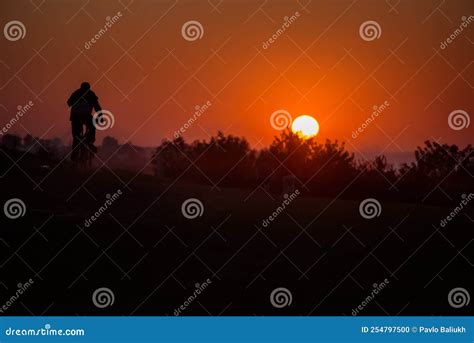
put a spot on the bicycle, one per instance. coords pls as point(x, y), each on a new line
point(86, 150)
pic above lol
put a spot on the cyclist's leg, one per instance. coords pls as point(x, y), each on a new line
point(90, 130)
point(76, 126)
point(90, 137)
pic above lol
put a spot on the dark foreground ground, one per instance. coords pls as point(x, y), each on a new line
point(151, 257)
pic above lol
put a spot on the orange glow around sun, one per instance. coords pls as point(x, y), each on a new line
point(305, 126)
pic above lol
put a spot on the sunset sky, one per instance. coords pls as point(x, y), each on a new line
point(151, 78)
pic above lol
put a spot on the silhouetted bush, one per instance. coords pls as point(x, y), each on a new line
point(223, 160)
point(315, 168)
point(440, 171)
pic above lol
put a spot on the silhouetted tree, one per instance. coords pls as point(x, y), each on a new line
point(110, 143)
point(228, 160)
point(318, 168)
point(322, 168)
point(11, 141)
point(28, 142)
point(223, 159)
point(170, 157)
point(440, 166)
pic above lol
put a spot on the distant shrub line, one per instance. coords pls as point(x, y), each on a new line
point(319, 169)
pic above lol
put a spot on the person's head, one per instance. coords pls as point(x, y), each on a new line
point(85, 86)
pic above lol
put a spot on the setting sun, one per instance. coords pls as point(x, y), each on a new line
point(305, 126)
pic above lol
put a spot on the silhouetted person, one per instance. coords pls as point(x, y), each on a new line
point(82, 102)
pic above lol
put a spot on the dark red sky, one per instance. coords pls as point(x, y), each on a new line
point(151, 78)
